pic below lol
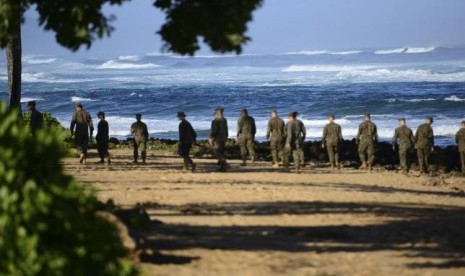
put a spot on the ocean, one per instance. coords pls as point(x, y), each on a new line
point(389, 83)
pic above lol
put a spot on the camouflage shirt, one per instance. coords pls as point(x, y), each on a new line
point(367, 131)
point(246, 127)
point(405, 137)
point(332, 134)
point(275, 128)
point(295, 133)
point(424, 137)
point(460, 139)
point(140, 132)
point(219, 129)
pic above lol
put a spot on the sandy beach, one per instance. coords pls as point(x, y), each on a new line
point(256, 220)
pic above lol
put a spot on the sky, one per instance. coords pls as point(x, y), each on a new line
point(286, 25)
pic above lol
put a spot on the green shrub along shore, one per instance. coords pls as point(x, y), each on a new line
point(443, 160)
point(49, 223)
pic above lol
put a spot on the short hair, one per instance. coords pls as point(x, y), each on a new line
point(331, 116)
point(138, 115)
point(79, 105)
point(368, 115)
point(245, 111)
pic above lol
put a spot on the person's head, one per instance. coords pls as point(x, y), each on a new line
point(31, 105)
point(79, 107)
point(402, 121)
point(138, 117)
point(429, 120)
point(331, 118)
point(181, 116)
point(292, 115)
point(462, 124)
point(274, 114)
point(101, 115)
point(244, 112)
point(219, 112)
point(367, 117)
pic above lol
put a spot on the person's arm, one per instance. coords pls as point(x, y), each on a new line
point(457, 137)
point(304, 131)
point(268, 130)
point(239, 128)
point(359, 133)
point(376, 134)
point(431, 136)
point(254, 128)
point(324, 136)
point(394, 139)
point(146, 132)
point(226, 126)
point(194, 134)
point(181, 133)
point(73, 124)
point(91, 125)
point(339, 133)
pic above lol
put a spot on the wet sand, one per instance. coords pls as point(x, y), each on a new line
point(256, 220)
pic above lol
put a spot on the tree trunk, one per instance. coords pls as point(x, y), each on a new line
point(13, 56)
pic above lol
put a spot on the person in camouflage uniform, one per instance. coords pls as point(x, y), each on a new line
point(36, 117)
point(141, 136)
point(332, 139)
point(218, 136)
point(302, 140)
point(460, 140)
point(102, 138)
point(367, 136)
point(81, 123)
point(246, 131)
point(406, 141)
point(275, 133)
point(293, 144)
point(187, 137)
point(424, 138)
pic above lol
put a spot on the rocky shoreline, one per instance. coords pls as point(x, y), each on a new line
point(442, 160)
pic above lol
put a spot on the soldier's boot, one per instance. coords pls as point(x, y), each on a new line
point(244, 162)
point(363, 166)
point(370, 167)
point(275, 165)
point(338, 165)
point(82, 158)
point(108, 160)
point(252, 160)
point(193, 166)
point(332, 165)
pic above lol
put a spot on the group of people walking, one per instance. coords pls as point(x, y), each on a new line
point(286, 139)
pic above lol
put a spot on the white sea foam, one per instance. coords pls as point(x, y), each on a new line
point(411, 100)
point(383, 75)
point(112, 64)
point(326, 68)
point(391, 51)
point(76, 99)
point(419, 50)
point(323, 52)
point(129, 58)
point(31, 59)
point(30, 99)
point(454, 98)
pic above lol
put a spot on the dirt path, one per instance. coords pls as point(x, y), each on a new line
point(257, 221)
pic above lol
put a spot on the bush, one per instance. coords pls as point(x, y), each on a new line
point(51, 123)
point(49, 224)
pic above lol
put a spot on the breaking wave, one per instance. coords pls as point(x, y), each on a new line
point(411, 50)
point(129, 58)
point(323, 52)
point(112, 64)
point(76, 99)
point(33, 60)
point(325, 68)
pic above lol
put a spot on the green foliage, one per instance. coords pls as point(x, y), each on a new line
point(49, 224)
point(222, 24)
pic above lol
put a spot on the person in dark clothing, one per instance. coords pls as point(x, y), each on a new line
point(36, 117)
point(187, 137)
point(102, 138)
point(81, 123)
point(218, 137)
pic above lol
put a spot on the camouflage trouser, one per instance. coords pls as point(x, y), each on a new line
point(247, 144)
point(333, 153)
point(102, 148)
point(366, 152)
point(276, 147)
point(302, 153)
point(82, 143)
point(219, 152)
point(423, 156)
point(295, 152)
point(404, 158)
point(142, 146)
point(462, 159)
